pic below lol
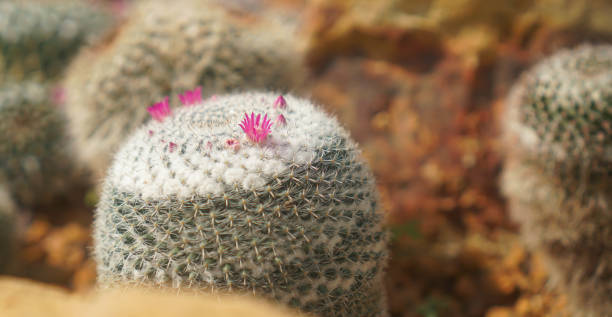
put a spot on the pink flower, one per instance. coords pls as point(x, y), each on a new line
point(280, 102)
point(160, 110)
point(255, 129)
point(191, 97)
point(233, 144)
point(58, 95)
point(281, 120)
point(171, 146)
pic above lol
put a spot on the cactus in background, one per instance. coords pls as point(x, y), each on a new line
point(164, 48)
point(34, 158)
point(559, 132)
point(37, 40)
point(7, 228)
point(245, 192)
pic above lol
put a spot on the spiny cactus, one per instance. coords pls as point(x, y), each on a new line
point(7, 228)
point(559, 132)
point(164, 48)
point(37, 39)
point(34, 158)
point(562, 110)
point(279, 204)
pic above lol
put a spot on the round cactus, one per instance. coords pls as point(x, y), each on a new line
point(37, 39)
point(34, 159)
point(278, 204)
point(164, 48)
point(559, 121)
point(7, 228)
point(561, 111)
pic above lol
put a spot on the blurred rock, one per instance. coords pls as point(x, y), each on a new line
point(19, 298)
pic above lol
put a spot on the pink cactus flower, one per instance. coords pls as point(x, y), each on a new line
point(191, 97)
point(281, 120)
point(257, 130)
point(280, 102)
point(171, 146)
point(233, 144)
point(160, 110)
point(58, 95)
point(150, 132)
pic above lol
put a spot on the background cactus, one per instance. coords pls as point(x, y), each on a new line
point(195, 202)
point(7, 228)
point(37, 39)
point(34, 155)
point(165, 48)
point(559, 124)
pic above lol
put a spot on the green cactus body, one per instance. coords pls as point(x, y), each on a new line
point(37, 40)
point(7, 228)
point(191, 202)
point(34, 160)
point(558, 128)
point(164, 48)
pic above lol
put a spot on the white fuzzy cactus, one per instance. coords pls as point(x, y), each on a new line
point(195, 200)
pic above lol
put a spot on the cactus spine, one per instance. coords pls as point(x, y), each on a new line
point(195, 202)
point(164, 48)
point(559, 131)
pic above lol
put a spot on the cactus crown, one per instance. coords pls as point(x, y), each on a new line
point(193, 201)
point(562, 108)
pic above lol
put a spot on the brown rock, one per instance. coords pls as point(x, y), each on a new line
point(20, 298)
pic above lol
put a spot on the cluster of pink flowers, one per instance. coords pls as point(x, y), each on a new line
point(256, 128)
point(162, 109)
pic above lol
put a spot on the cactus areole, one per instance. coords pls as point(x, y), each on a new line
point(216, 197)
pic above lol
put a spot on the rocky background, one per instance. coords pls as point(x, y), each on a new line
point(421, 85)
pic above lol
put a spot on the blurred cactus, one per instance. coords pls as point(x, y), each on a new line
point(34, 158)
point(7, 228)
point(165, 48)
point(195, 200)
point(37, 40)
point(559, 131)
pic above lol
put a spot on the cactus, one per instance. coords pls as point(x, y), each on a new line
point(164, 48)
point(34, 158)
point(278, 204)
point(7, 228)
point(38, 39)
point(559, 132)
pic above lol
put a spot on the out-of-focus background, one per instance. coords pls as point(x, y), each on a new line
point(421, 85)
